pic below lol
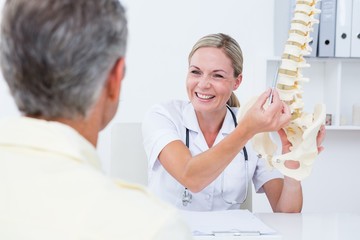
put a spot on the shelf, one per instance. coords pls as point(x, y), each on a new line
point(332, 59)
point(350, 128)
point(321, 59)
point(333, 82)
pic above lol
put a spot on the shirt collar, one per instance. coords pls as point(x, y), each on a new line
point(48, 136)
point(190, 120)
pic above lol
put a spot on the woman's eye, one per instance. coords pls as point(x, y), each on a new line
point(218, 76)
point(196, 72)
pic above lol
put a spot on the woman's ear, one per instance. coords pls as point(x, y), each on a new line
point(115, 79)
point(238, 81)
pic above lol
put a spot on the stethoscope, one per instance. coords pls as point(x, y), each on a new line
point(187, 196)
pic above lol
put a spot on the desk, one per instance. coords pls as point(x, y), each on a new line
point(305, 226)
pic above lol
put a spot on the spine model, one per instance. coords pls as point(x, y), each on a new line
point(303, 128)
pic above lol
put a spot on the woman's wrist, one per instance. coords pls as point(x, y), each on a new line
point(292, 182)
point(245, 130)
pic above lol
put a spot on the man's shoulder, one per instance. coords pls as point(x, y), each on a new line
point(122, 196)
point(133, 206)
point(142, 196)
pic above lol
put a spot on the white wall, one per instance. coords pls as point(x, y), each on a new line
point(162, 33)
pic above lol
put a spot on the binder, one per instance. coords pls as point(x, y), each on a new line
point(315, 34)
point(327, 28)
point(343, 28)
point(355, 32)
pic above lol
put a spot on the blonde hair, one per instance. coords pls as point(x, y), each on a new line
point(231, 49)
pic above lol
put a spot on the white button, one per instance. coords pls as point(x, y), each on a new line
point(208, 197)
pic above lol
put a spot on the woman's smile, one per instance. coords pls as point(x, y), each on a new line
point(204, 96)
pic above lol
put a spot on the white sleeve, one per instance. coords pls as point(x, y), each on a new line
point(264, 174)
point(158, 129)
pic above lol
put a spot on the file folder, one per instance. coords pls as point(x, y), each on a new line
point(355, 31)
point(343, 28)
point(229, 223)
point(315, 34)
point(327, 28)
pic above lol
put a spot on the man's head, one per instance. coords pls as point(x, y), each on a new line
point(56, 55)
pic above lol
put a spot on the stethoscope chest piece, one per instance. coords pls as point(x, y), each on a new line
point(186, 198)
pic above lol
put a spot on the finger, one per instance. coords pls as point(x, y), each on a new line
point(276, 94)
point(276, 104)
point(284, 140)
point(285, 117)
point(263, 98)
point(321, 135)
point(286, 109)
point(320, 149)
point(281, 133)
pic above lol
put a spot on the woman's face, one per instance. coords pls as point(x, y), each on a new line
point(210, 79)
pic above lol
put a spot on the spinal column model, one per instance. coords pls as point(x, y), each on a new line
point(303, 128)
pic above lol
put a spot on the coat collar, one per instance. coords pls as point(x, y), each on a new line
point(191, 123)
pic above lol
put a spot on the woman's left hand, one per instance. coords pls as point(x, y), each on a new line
point(286, 145)
point(320, 138)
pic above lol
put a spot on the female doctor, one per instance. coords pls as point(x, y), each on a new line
point(198, 154)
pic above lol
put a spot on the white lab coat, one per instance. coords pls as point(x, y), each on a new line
point(167, 122)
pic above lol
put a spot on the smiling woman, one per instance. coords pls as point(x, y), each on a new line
point(196, 149)
point(226, 66)
point(210, 80)
point(211, 77)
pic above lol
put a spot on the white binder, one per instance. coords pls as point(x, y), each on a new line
point(343, 28)
point(355, 31)
point(327, 28)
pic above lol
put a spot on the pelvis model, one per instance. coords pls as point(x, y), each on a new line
point(303, 128)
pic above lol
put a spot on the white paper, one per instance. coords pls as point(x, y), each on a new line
point(237, 222)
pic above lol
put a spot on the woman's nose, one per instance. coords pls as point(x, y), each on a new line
point(205, 82)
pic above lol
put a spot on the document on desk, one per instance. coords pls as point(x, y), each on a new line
point(229, 222)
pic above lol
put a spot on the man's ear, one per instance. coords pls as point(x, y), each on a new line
point(115, 78)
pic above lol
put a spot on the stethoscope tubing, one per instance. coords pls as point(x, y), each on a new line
point(187, 197)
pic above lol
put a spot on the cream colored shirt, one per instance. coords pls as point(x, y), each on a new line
point(51, 187)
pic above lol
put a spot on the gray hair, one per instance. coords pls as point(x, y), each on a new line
point(57, 54)
point(232, 50)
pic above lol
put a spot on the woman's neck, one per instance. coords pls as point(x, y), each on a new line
point(210, 125)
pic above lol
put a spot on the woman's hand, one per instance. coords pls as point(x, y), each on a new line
point(286, 145)
point(264, 117)
point(320, 138)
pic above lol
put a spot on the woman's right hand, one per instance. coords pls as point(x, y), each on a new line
point(264, 117)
